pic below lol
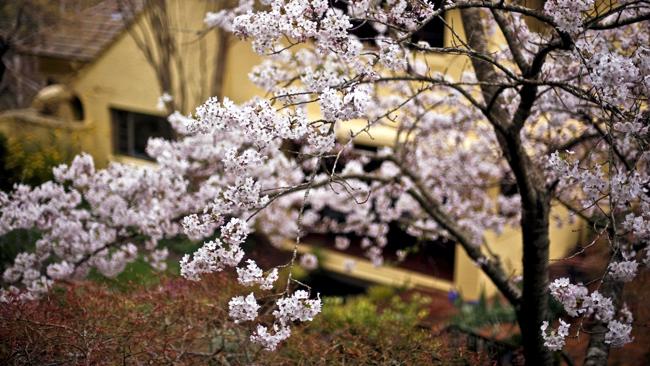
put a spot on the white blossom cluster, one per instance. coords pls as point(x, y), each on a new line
point(555, 339)
point(224, 18)
point(309, 261)
point(253, 275)
point(568, 14)
point(268, 340)
point(243, 308)
point(213, 256)
point(299, 20)
point(297, 307)
point(163, 101)
point(619, 331)
point(577, 301)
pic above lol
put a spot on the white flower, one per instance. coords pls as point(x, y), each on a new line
point(252, 274)
point(375, 254)
point(555, 340)
point(322, 144)
point(309, 261)
point(268, 340)
point(341, 243)
point(392, 56)
point(600, 306)
point(61, 270)
point(211, 257)
point(163, 100)
point(569, 295)
point(249, 275)
point(298, 306)
point(401, 255)
point(243, 308)
point(623, 270)
point(568, 13)
point(196, 228)
point(157, 259)
point(235, 232)
point(618, 333)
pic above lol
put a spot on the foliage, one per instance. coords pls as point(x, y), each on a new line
point(158, 325)
point(483, 313)
point(29, 160)
point(362, 331)
point(15, 242)
point(185, 323)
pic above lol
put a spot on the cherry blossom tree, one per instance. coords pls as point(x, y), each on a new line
point(560, 112)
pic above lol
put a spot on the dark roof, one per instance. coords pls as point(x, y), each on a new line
point(84, 36)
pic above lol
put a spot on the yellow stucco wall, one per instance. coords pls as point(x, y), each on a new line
point(471, 281)
point(122, 78)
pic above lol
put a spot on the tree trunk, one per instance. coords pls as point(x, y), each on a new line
point(598, 350)
point(535, 200)
point(534, 309)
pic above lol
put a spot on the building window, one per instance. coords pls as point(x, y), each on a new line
point(432, 32)
point(132, 130)
point(77, 108)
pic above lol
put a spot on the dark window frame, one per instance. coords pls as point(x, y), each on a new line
point(125, 131)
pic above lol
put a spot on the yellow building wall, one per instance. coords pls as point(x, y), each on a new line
point(471, 281)
point(122, 78)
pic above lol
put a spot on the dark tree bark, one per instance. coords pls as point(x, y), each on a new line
point(534, 308)
point(535, 200)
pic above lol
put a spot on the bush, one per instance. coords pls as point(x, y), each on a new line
point(366, 332)
point(27, 160)
point(175, 322)
point(14, 242)
point(186, 323)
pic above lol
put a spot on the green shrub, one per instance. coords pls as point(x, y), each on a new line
point(14, 242)
point(362, 331)
point(483, 313)
point(30, 161)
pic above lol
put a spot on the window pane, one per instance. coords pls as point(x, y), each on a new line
point(143, 127)
point(120, 132)
point(432, 32)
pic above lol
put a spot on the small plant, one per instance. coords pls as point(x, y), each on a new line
point(474, 315)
